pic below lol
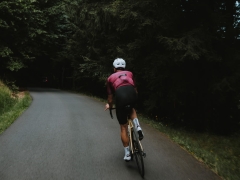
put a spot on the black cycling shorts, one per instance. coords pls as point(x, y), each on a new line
point(125, 95)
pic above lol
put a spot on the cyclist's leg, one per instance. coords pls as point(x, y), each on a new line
point(124, 134)
point(122, 119)
point(128, 96)
point(136, 123)
point(133, 114)
point(124, 96)
point(125, 141)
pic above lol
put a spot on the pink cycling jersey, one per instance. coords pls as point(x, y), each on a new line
point(118, 79)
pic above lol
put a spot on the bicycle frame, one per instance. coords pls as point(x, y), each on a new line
point(131, 128)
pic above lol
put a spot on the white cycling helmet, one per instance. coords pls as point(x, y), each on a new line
point(119, 63)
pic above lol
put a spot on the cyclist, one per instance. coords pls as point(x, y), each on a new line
point(121, 84)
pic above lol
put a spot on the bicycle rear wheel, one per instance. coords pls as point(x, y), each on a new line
point(138, 154)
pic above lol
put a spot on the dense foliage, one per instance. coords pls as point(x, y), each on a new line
point(184, 54)
point(7, 100)
point(31, 31)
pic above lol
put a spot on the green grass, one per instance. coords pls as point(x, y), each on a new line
point(7, 99)
point(220, 153)
point(11, 106)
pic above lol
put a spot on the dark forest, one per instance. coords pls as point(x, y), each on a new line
point(185, 54)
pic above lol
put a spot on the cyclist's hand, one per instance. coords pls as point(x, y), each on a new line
point(107, 107)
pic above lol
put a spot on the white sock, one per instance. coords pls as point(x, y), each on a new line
point(126, 149)
point(137, 125)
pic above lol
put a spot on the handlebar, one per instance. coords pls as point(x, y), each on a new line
point(110, 110)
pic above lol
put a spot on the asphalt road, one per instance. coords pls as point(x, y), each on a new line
point(68, 136)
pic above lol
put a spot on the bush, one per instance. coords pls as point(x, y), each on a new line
point(7, 98)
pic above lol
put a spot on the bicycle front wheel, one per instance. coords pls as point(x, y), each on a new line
point(138, 154)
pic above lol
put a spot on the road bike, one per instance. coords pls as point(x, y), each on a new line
point(135, 145)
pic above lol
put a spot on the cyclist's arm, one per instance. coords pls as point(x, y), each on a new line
point(110, 96)
point(110, 102)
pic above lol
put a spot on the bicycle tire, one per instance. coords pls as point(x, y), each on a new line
point(138, 154)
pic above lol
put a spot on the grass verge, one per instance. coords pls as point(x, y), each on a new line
point(12, 106)
point(220, 153)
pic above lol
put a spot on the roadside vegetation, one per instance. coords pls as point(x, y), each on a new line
point(12, 104)
point(220, 153)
